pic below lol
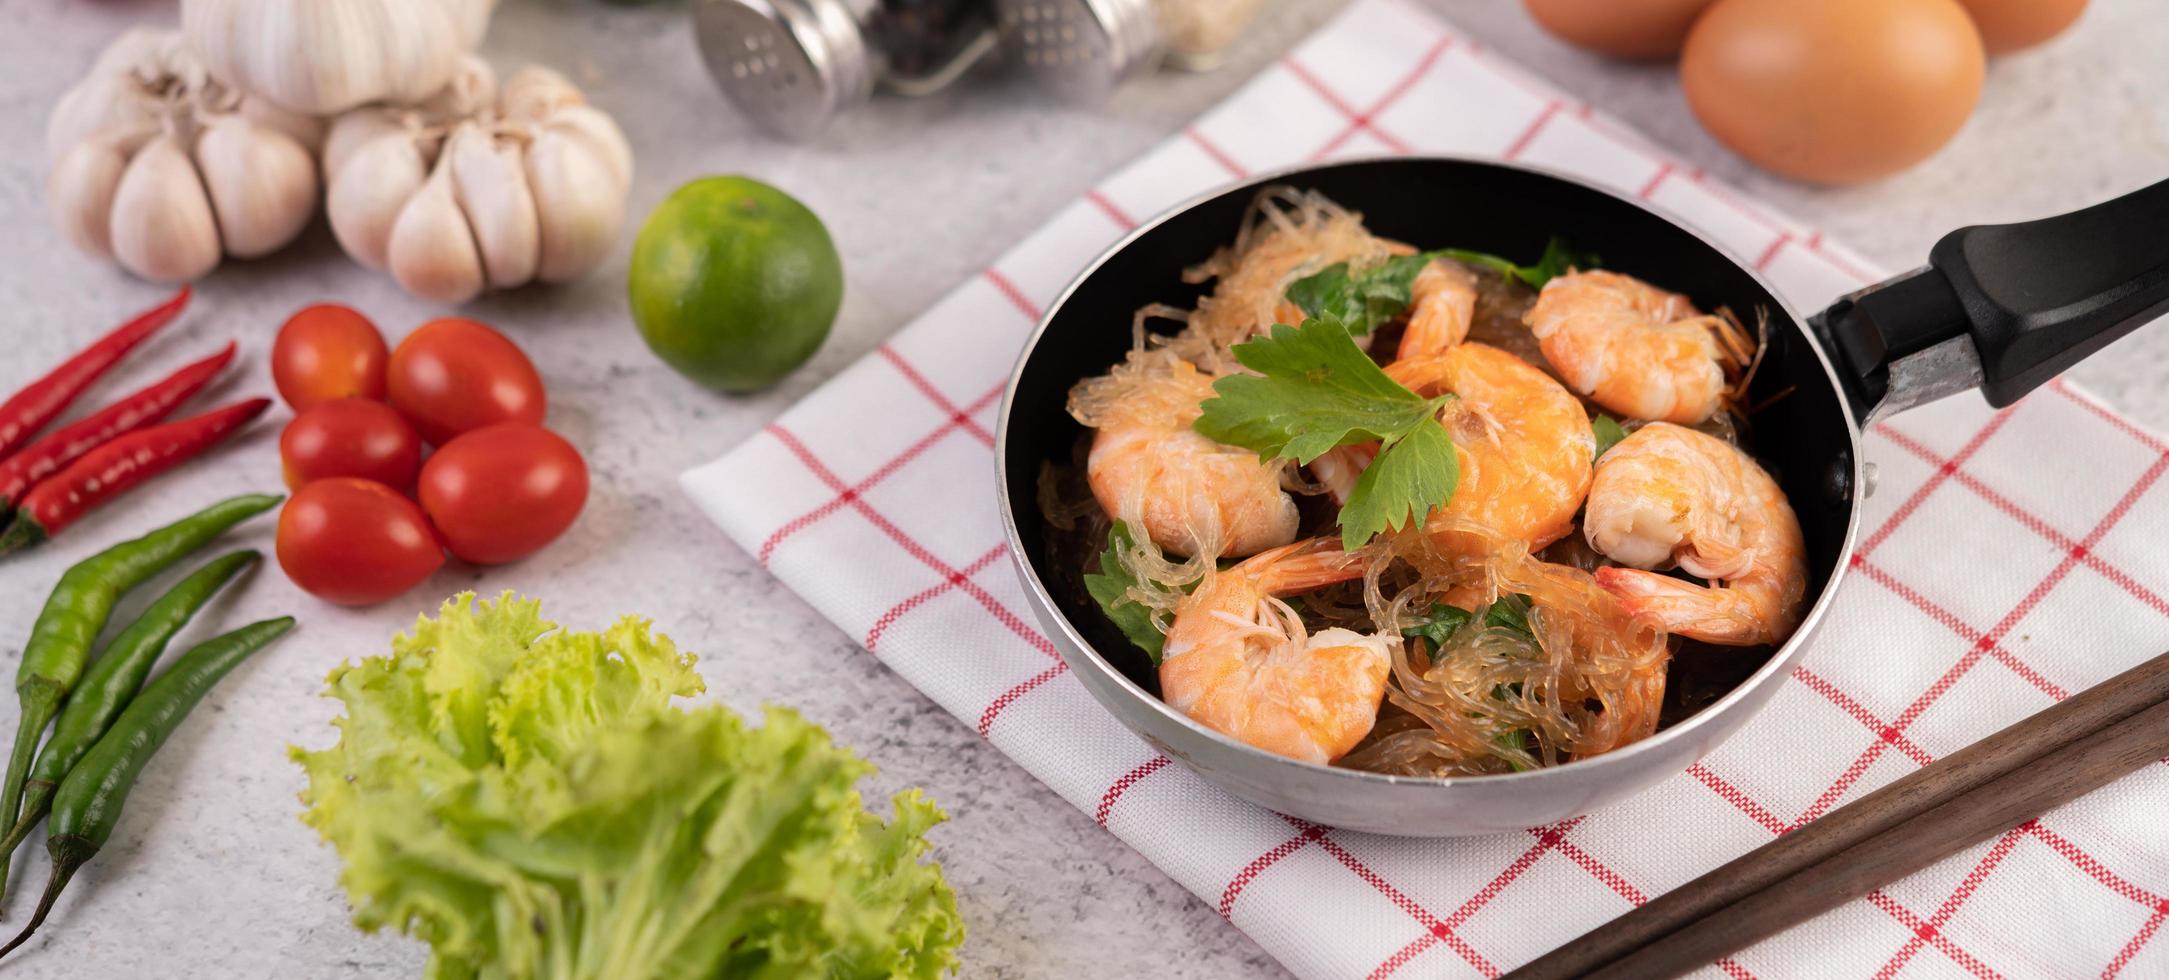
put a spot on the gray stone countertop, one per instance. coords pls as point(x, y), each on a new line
point(211, 875)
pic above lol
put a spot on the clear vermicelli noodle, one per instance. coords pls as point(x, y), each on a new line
point(1286, 235)
point(1583, 677)
point(1455, 649)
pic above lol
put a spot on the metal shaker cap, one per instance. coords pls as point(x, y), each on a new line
point(790, 65)
point(1080, 48)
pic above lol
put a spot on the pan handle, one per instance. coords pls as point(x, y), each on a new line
point(2004, 308)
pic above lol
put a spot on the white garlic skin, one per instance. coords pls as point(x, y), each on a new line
point(308, 131)
point(350, 132)
point(471, 92)
point(319, 57)
point(535, 92)
point(373, 168)
point(99, 107)
point(492, 191)
point(162, 227)
point(80, 191)
point(602, 138)
point(579, 203)
point(432, 252)
point(262, 184)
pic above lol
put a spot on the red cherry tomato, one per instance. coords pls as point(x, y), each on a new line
point(453, 376)
point(326, 352)
point(354, 542)
point(499, 494)
point(351, 437)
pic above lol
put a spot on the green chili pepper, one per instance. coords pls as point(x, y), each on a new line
point(60, 643)
point(88, 803)
point(108, 686)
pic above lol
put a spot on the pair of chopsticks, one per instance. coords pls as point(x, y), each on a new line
point(2080, 744)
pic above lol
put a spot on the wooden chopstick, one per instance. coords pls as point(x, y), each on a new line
point(2058, 777)
point(2046, 759)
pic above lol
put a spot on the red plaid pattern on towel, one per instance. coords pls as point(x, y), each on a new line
point(2008, 559)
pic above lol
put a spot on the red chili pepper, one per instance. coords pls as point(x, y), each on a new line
point(44, 399)
point(68, 443)
point(116, 467)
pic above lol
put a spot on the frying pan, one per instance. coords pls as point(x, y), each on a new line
point(2001, 308)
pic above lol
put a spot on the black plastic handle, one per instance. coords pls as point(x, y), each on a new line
point(2035, 297)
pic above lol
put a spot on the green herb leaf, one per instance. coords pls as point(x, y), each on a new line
point(1315, 389)
point(1363, 300)
point(1327, 288)
point(1110, 588)
point(1439, 625)
point(1510, 612)
point(1408, 479)
point(1608, 432)
point(1360, 301)
point(1518, 741)
point(1557, 260)
point(1558, 257)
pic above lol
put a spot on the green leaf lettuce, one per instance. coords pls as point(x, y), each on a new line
point(528, 801)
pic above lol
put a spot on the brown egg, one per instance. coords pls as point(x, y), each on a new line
point(1833, 91)
point(1620, 28)
point(2008, 25)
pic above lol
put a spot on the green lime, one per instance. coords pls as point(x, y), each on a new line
point(734, 283)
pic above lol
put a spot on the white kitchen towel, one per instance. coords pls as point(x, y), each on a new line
point(2009, 559)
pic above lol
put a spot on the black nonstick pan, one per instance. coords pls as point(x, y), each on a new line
point(2001, 308)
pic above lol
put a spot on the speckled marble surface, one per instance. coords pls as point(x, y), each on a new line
point(210, 875)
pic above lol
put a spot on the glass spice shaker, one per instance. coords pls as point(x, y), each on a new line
point(792, 65)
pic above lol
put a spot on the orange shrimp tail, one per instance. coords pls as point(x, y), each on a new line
point(1712, 615)
point(1303, 566)
point(1710, 556)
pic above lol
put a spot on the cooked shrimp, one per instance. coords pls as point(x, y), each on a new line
point(1191, 495)
point(1337, 469)
point(1442, 304)
point(1643, 352)
point(1239, 661)
point(1523, 442)
point(1667, 495)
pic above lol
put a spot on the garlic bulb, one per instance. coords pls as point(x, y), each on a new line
point(478, 189)
point(324, 56)
point(163, 170)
